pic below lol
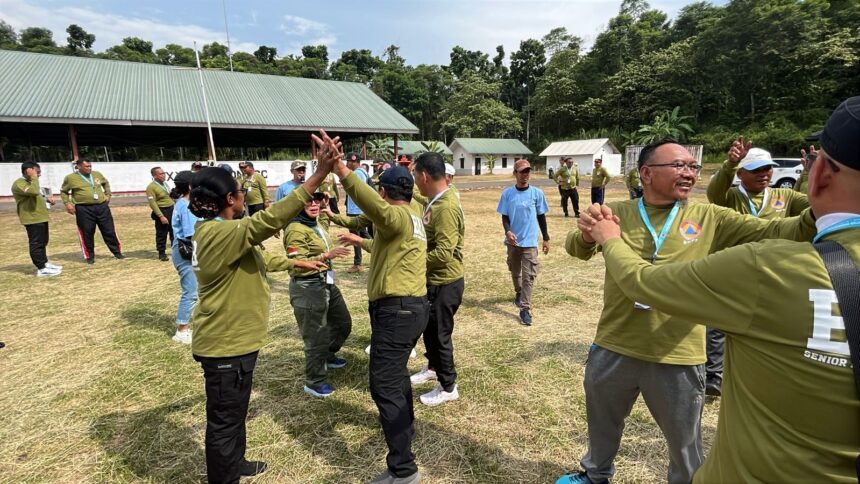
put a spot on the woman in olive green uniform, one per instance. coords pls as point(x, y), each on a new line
point(321, 313)
point(233, 308)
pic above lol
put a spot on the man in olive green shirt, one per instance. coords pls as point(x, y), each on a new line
point(790, 411)
point(398, 305)
point(567, 179)
point(599, 180)
point(161, 205)
point(256, 191)
point(30, 203)
point(446, 229)
point(641, 350)
point(634, 186)
point(86, 195)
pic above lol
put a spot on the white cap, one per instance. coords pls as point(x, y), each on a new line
point(449, 169)
point(755, 159)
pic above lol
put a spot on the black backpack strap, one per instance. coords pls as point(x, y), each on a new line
point(845, 278)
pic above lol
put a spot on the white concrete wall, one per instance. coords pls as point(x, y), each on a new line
point(133, 176)
point(469, 163)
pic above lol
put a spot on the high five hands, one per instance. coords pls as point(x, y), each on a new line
point(598, 224)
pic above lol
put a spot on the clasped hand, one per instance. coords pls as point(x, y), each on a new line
point(598, 224)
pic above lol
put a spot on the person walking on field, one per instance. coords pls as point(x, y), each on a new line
point(567, 178)
point(254, 183)
point(790, 410)
point(523, 209)
point(162, 210)
point(599, 179)
point(233, 309)
point(30, 204)
point(86, 195)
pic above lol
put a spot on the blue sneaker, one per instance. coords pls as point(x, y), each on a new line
point(321, 391)
point(335, 363)
point(577, 477)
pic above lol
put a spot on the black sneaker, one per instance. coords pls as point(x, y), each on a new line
point(518, 301)
point(566, 215)
point(119, 256)
point(713, 390)
point(252, 468)
point(525, 317)
point(91, 260)
point(163, 257)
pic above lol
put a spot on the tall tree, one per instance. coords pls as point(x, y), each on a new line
point(465, 62)
point(559, 39)
point(527, 67)
point(35, 37)
point(132, 49)
point(356, 65)
point(8, 37)
point(79, 40)
point(474, 110)
point(176, 55)
point(266, 54)
point(392, 56)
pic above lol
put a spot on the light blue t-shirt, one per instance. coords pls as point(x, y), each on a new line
point(182, 221)
point(285, 189)
point(351, 207)
point(522, 208)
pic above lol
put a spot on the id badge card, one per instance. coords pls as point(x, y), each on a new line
point(95, 195)
point(640, 306)
point(329, 277)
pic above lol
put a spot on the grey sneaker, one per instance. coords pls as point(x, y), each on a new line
point(525, 317)
point(388, 478)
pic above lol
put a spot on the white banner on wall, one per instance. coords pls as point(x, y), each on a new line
point(132, 177)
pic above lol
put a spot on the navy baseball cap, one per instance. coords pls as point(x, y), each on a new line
point(353, 157)
point(397, 176)
point(841, 135)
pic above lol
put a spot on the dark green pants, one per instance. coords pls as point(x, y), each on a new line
point(324, 323)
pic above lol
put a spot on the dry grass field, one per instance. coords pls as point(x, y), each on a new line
point(94, 390)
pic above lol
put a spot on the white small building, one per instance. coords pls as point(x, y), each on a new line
point(470, 155)
point(583, 153)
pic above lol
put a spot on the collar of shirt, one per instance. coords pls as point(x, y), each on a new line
point(826, 221)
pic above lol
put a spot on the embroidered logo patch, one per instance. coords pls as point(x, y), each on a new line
point(778, 203)
point(292, 252)
point(690, 231)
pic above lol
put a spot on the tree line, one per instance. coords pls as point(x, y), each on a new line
point(770, 69)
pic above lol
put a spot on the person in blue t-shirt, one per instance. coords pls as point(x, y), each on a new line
point(523, 209)
point(183, 222)
point(298, 169)
point(353, 162)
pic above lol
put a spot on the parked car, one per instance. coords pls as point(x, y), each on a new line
point(785, 175)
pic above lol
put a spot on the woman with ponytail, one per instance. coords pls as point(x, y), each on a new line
point(233, 308)
point(183, 229)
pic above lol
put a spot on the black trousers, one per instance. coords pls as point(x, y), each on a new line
point(252, 209)
point(364, 234)
point(571, 195)
point(88, 217)
point(37, 236)
point(228, 391)
point(597, 194)
point(444, 302)
point(396, 324)
point(332, 205)
point(716, 347)
point(163, 230)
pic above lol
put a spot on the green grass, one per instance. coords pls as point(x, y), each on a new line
point(94, 390)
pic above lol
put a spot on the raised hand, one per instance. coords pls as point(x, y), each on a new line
point(805, 157)
point(338, 252)
point(739, 149)
point(350, 239)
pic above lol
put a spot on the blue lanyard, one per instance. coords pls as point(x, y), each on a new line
point(851, 223)
point(163, 187)
point(664, 232)
point(89, 180)
point(753, 210)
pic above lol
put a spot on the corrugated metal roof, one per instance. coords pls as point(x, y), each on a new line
point(577, 147)
point(52, 88)
point(492, 146)
point(411, 147)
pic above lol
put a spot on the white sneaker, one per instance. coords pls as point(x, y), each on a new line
point(183, 337)
point(47, 272)
point(426, 374)
point(413, 354)
point(438, 396)
point(52, 266)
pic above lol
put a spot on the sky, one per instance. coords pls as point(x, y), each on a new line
point(426, 31)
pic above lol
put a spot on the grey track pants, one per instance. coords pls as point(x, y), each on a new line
point(674, 395)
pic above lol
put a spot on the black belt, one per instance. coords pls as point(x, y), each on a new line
point(398, 301)
point(318, 275)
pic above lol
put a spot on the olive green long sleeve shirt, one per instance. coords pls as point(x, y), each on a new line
point(780, 203)
point(258, 192)
point(29, 201)
point(600, 177)
point(232, 312)
point(567, 178)
point(399, 263)
point(789, 410)
point(305, 243)
point(85, 190)
point(699, 229)
point(158, 197)
point(445, 227)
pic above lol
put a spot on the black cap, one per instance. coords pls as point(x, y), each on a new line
point(353, 157)
point(841, 135)
point(397, 176)
point(183, 177)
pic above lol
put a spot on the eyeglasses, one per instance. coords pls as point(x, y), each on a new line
point(680, 167)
